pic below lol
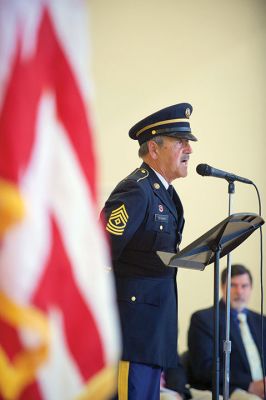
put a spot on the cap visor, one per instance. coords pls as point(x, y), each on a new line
point(183, 135)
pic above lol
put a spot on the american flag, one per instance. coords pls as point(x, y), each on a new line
point(59, 336)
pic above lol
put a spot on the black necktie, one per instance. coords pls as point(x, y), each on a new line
point(170, 190)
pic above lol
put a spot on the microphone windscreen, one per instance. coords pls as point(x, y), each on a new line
point(202, 169)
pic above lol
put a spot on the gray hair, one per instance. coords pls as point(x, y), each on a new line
point(144, 150)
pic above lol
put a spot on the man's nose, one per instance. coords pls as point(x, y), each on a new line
point(188, 148)
point(239, 289)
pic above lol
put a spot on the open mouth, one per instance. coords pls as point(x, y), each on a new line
point(185, 161)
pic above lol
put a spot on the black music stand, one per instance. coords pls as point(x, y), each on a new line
point(209, 248)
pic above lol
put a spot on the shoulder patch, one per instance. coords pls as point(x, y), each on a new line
point(138, 174)
point(117, 221)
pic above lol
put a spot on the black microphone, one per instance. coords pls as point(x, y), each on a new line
point(207, 170)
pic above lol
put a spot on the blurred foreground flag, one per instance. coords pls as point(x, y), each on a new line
point(59, 335)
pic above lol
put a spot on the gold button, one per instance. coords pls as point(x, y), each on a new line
point(143, 171)
point(153, 132)
point(133, 298)
point(161, 227)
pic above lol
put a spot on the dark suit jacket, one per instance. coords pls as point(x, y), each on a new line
point(200, 343)
point(141, 219)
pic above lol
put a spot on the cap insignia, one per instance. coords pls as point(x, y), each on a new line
point(187, 112)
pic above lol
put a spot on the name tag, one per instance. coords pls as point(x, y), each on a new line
point(161, 218)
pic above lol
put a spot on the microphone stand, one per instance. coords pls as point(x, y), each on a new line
point(216, 359)
point(227, 342)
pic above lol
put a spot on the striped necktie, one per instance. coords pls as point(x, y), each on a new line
point(250, 347)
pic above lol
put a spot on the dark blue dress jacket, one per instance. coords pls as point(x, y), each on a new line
point(200, 343)
point(141, 218)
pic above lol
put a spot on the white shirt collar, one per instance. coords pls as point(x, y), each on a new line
point(162, 179)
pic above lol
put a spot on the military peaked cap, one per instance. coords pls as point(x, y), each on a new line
point(170, 121)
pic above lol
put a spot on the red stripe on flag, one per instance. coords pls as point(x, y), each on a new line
point(9, 340)
point(31, 392)
point(58, 288)
point(18, 118)
point(70, 105)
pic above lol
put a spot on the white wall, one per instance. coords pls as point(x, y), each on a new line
point(149, 54)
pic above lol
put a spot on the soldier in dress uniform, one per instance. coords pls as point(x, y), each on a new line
point(143, 215)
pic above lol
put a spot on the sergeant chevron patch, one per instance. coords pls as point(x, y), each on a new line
point(117, 221)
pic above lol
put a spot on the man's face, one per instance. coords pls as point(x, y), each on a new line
point(173, 156)
point(240, 291)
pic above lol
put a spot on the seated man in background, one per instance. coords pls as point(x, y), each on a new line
point(246, 373)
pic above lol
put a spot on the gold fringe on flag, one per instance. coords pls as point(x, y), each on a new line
point(17, 374)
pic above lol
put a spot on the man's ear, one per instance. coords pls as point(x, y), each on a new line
point(153, 149)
